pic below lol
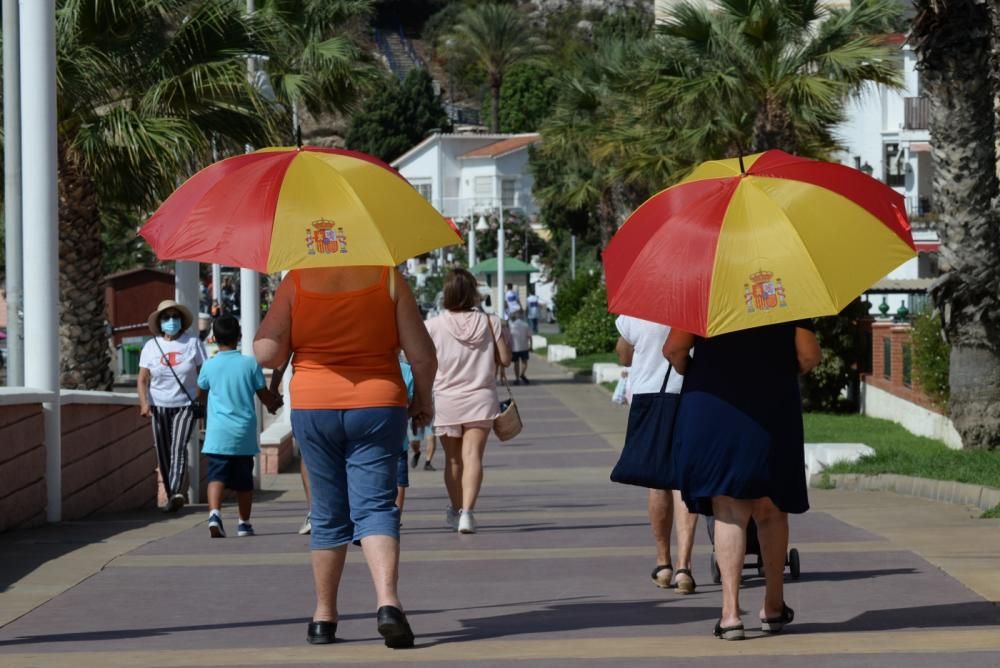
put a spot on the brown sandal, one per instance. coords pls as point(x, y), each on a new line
point(687, 586)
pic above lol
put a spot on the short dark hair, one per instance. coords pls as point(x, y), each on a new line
point(226, 330)
point(460, 290)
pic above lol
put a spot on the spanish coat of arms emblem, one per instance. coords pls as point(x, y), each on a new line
point(763, 293)
point(325, 238)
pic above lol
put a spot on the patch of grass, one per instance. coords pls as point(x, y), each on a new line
point(585, 363)
point(555, 339)
point(991, 514)
point(609, 386)
point(900, 452)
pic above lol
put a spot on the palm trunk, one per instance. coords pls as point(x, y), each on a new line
point(953, 41)
point(85, 356)
point(773, 127)
point(495, 84)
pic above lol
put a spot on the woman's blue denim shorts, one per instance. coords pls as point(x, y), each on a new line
point(351, 456)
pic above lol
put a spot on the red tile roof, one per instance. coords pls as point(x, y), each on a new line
point(503, 147)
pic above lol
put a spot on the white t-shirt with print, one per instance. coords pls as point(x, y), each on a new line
point(649, 366)
point(185, 354)
point(520, 333)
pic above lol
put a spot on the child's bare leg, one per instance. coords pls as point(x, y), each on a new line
point(245, 501)
point(215, 489)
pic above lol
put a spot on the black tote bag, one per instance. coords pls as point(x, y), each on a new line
point(646, 458)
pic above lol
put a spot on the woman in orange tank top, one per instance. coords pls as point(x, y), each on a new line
point(344, 328)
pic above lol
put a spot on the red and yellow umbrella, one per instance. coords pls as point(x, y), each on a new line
point(291, 208)
point(760, 240)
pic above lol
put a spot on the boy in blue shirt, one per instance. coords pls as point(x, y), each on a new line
point(402, 471)
point(231, 380)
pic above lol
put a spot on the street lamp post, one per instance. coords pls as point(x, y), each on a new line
point(12, 193)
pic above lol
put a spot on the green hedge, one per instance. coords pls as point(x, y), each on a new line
point(931, 357)
point(572, 292)
point(592, 329)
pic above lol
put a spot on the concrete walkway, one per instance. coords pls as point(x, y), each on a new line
point(558, 575)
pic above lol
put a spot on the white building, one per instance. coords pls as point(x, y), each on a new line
point(887, 136)
point(464, 175)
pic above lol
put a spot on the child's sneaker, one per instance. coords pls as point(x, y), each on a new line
point(215, 526)
point(307, 526)
point(245, 529)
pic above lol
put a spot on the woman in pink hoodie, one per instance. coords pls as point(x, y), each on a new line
point(469, 346)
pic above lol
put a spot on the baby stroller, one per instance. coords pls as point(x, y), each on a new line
point(753, 548)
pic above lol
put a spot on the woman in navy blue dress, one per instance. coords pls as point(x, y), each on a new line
point(739, 449)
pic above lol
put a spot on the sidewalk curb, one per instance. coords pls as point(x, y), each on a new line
point(946, 491)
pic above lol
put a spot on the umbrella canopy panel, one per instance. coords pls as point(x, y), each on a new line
point(511, 265)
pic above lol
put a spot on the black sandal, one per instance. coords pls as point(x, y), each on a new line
point(659, 569)
point(776, 624)
point(729, 632)
point(684, 587)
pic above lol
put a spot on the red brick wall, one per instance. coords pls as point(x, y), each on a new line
point(898, 335)
point(108, 462)
point(22, 466)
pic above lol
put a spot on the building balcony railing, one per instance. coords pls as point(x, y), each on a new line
point(916, 113)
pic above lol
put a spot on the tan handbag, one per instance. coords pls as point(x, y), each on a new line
point(508, 424)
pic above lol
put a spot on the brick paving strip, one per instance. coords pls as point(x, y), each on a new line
point(558, 575)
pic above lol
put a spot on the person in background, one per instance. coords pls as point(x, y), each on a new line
point(230, 380)
point(345, 326)
point(739, 450)
point(168, 382)
point(469, 345)
point(520, 336)
point(533, 309)
point(640, 346)
point(512, 301)
point(402, 470)
point(417, 437)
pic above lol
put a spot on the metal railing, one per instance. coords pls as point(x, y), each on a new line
point(916, 113)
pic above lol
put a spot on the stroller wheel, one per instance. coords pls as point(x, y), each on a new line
point(714, 569)
point(793, 563)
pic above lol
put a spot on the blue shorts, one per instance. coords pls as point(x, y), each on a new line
point(233, 471)
point(352, 457)
point(402, 471)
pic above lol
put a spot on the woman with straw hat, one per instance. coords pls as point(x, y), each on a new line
point(168, 382)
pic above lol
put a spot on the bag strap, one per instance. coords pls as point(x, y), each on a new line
point(163, 355)
point(663, 388)
point(496, 358)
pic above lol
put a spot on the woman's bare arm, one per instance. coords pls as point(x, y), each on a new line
point(272, 345)
point(419, 349)
point(807, 350)
point(677, 349)
point(142, 386)
point(625, 351)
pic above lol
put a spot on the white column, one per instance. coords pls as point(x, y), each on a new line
point(186, 292)
point(12, 193)
point(249, 322)
point(41, 237)
point(217, 283)
point(502, 300)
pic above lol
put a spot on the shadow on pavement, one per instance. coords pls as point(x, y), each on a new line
point(969, 614)
point(835, 576)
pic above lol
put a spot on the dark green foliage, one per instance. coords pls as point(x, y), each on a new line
point(526, 98)
point(398, 117)
point(840, 339)
point(572, 293)
point(592, 329)
point(931, 357)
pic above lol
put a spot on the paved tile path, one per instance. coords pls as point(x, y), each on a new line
point(558, 575)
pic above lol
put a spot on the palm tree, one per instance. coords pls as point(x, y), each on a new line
point(142, 85)
point(495, 37)
point(775, 73)
point(315, 59)
point(953, 40)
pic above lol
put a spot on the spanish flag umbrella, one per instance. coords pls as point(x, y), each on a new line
point(291, 208)
point(754, 241)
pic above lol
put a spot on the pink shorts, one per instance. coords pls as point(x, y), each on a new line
point(457, 430)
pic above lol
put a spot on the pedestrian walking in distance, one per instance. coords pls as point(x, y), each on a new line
point(230, 381)
point(345, 326)
point(469, 345)
point(168, 382)
point(520, 334)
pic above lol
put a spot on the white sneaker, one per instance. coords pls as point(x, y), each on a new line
point(451, 518)
point(306, 527)
point(467, 522)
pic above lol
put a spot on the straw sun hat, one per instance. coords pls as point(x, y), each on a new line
point(166, 305)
